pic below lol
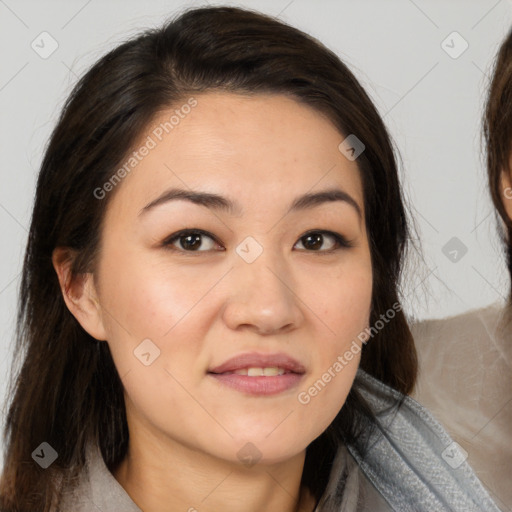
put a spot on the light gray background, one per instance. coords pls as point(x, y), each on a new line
point(431, 102)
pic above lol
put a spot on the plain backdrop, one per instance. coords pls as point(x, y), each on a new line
point(426, 65)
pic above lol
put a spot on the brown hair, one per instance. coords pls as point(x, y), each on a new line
point(498, 136)
point(68, 391)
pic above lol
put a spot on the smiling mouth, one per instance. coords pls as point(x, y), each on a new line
point(258, 381)
point(254, 373)
point(269, 371)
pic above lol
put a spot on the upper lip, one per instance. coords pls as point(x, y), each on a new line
point(257, 360)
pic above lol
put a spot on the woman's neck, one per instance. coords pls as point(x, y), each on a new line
point(178, 478)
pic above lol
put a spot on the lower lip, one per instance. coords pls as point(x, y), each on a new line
point(259, 385)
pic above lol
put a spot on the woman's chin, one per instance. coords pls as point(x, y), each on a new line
point(257, 450)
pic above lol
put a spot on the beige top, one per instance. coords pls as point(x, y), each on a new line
point(465, 380)
point(99, 491)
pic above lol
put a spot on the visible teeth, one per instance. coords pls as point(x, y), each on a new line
point(260, 372)
point(273, 370)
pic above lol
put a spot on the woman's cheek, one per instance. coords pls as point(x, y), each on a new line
point(145, 301)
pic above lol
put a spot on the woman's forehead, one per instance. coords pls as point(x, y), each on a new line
point(250, 146)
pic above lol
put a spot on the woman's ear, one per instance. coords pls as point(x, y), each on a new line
point(506, 192)
point(79, 294)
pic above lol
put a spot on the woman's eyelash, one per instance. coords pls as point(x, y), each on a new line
point(168, 242)
point(341, 241)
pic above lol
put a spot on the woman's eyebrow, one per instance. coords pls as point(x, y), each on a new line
point(218, 202)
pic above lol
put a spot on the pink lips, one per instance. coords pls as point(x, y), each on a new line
point(259, 385)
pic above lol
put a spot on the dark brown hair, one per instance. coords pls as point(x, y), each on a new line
point(68, 391)
point(498, 137)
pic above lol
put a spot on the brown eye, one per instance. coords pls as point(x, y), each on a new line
point(190, 241)
point(314, 240)
point(197, 241)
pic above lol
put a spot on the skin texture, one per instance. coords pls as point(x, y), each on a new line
point(506, 185)
point(202, 307)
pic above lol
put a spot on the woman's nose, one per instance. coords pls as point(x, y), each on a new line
point(263, 295)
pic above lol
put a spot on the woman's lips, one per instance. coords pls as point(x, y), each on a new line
point(258, 385)
point(258, 373)
point(259, 360)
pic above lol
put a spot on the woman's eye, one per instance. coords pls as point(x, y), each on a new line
point(190, 241)
point(194, 241)
point(313, 240)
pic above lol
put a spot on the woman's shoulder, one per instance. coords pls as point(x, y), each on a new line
point(464, 355)
point(479, 322)
point(464, 362)
point(464, 379)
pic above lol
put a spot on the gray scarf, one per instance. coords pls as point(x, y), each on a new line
point(407, 463)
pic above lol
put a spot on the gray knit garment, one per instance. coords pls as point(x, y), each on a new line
point(405, 462)
point(407, 458)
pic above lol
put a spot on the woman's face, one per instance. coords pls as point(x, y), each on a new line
point(246, 282)
point(506, 186)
